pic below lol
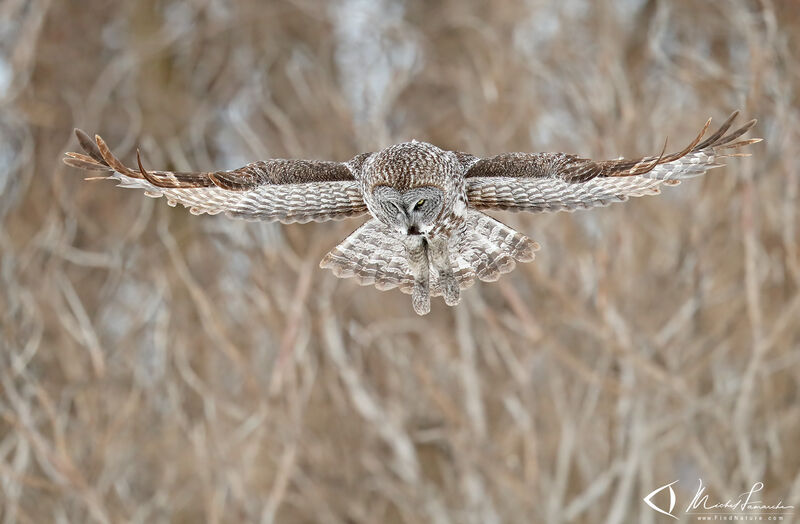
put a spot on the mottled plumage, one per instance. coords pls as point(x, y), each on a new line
point(427, 235)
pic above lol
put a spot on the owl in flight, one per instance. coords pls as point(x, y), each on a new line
point(427, 233)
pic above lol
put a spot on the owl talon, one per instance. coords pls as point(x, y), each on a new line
point(421, 299)
point(452, 291)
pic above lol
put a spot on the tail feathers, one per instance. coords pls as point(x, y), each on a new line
point(483, 249)
point(373, 255)
point(488, 248)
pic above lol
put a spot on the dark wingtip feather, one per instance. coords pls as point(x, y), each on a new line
point(741, 143)
point(93, 162)
point(153, 179)
point(714, 138)
point(111, 160)
point(89, 145)
point(739, 132)
point(147, 176)
point(83, 162)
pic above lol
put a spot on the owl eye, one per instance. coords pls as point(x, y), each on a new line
point(419, 204)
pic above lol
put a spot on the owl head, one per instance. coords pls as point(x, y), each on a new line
point(413, 211)
point(412, 186)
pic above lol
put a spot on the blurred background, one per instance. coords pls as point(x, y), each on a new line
point(156, 366)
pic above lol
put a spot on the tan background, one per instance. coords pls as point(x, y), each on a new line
point(157, 366)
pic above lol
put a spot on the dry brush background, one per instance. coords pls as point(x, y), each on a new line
point(156, 366)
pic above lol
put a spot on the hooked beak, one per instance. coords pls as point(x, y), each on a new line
point(411, 227)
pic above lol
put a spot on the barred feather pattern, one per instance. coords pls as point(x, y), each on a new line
point(483, 248)
point(547, 182)
point(284, 190)
point(548, 195)
point(287, 203)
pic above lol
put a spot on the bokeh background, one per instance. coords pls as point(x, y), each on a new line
point(156, 366)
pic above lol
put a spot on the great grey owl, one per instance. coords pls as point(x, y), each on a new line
point(427, 233)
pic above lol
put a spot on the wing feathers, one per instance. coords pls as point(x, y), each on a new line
point(285, 190)
point(720, 132)
point(555, 181)
point(89, 145)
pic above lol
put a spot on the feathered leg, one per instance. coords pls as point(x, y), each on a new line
point(416, 249)
point(440, 258)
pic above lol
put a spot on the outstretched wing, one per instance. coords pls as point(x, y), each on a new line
point(285, 190)
point(539, 182)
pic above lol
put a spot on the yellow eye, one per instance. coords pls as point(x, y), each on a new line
point(420, 204)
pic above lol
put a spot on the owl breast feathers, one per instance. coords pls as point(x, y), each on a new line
point(427, 234)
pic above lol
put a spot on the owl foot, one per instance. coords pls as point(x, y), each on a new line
point(452, 291)
point(421, 299)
